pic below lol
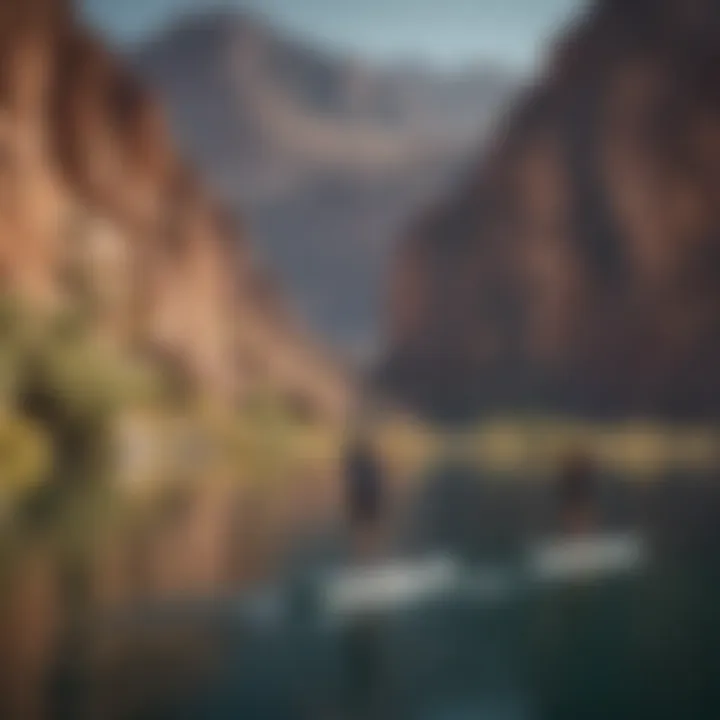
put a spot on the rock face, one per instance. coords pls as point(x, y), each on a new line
point(579, 266)
point(96, 206)
point(326, 156)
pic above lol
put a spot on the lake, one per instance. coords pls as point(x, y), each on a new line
point(479, 608)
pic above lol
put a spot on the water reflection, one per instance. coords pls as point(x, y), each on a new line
point(497, 598)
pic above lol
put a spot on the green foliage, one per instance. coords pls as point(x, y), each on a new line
point(60, 392)
point(25, 456)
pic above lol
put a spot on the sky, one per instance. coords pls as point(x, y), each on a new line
point(443, 32)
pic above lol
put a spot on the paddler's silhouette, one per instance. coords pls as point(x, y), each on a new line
point(577, 496)
point(365, 496)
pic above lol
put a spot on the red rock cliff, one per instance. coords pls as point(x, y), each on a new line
point(96, 204)
point(578, 267)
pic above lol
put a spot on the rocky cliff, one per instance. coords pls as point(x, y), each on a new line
point(98, 208)
point(579, 266)
point(326, 155)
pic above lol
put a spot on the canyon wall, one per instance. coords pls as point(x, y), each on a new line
point(578, 267)
point(98, 210)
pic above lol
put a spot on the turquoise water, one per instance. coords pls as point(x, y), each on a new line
point(491, 627)
point(617, 646)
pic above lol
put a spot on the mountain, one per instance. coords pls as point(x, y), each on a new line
point(577, 267)
point(327, 155)
point(99, 209)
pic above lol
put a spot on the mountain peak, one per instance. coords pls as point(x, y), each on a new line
point(327, 153)
point(195, 32)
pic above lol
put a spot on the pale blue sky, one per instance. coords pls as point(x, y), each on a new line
point(510, 32)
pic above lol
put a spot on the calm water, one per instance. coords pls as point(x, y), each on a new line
point(634, 641)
